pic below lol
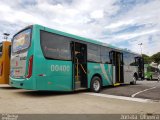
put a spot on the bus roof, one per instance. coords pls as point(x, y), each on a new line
point(83, 39)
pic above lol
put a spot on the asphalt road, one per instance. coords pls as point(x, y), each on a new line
point(143, 89)
point(21, 101)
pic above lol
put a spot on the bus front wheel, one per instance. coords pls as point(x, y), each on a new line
point(151, 77)
point(96, 84)
point(134, 81)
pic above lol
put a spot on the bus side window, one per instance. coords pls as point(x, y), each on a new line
point(111, 57)
point(9, 51)
point(55, 46)
point(93, 53)
point(105, 56)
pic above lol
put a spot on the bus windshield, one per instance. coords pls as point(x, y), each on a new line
point(22, 40)
point(1, 46)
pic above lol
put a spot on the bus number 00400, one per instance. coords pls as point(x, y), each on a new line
point(62, 68)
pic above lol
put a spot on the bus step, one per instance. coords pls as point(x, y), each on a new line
point(77, 78)
point(116, 84)
point(77, 84)
point(81, 88)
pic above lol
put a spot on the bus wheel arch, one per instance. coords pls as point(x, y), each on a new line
point(96, 83)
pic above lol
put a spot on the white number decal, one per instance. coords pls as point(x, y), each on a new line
point(62, 68)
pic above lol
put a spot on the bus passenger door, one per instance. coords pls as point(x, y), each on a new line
point(116, 59)
point(79, 63)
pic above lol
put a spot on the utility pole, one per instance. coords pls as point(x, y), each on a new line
point(140, 47)
point(6, 36)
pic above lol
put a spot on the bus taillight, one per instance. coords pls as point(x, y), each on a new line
point(30, 64)
point(1, 69)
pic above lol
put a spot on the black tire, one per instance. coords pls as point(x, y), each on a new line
point(134, 81)
point(136, 76)
point(96, 81)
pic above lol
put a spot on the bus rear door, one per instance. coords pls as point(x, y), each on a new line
point(117, 62)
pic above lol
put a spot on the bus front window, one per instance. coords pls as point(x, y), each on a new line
point(21, 41)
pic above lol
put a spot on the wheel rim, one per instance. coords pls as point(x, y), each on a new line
point(96, 85)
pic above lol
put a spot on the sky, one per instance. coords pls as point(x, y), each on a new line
point(122, 23)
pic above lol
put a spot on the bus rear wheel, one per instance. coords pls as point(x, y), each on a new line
point(96, 84)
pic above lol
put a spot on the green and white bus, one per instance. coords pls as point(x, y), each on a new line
point(151, 72)
point(47, 59)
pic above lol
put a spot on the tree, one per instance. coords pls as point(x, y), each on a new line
point(146, 58)
point(156, 58)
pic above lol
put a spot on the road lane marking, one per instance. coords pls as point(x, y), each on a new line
point(142, 91)
point(122, 98)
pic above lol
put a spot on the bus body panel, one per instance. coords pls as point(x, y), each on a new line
point(54, 75)
point(104, 70)
point(129, 72)
point(50, 74)
point(5, 63)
